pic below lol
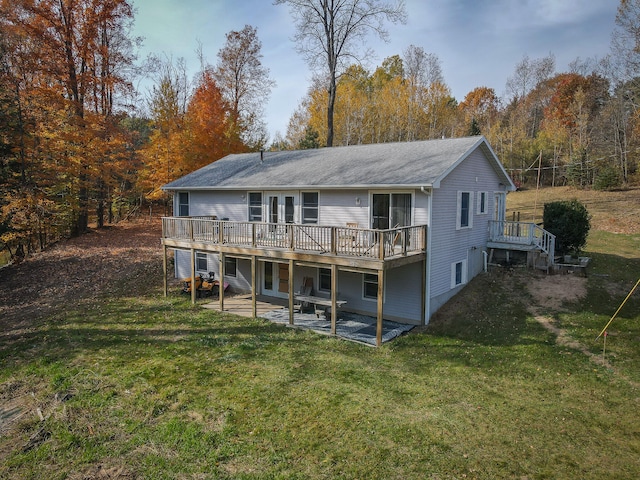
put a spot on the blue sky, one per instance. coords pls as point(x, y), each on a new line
point(478, 42)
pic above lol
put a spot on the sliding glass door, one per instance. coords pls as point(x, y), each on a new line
point(389, 210)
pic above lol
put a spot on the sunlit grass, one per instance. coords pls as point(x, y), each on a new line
point(153, 387)
point(163, 389)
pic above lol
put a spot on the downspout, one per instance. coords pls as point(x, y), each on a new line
point(427, 273)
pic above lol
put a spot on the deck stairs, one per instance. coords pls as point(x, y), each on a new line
point(538, 243)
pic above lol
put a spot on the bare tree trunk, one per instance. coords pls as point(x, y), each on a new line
point(330, 108)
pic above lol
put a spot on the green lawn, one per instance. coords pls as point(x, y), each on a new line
point(149, 387)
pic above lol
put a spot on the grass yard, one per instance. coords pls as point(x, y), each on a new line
point(129, 384)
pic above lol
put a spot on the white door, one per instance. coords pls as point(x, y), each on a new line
point(275, 279)
point(281, 208)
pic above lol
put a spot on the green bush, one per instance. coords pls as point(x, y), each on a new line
point(607, 178)
point(569, 221)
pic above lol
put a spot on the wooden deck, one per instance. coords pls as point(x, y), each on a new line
point(332, 245)
point(523, 237)
point(373, 251)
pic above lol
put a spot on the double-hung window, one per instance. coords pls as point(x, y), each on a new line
point(310, 207)
point(255, 206)
point(370, 285)
point(324, 280)
point(482, 203)
point(464, 213)
point(230, 266)
point(183, 204)
point(202, 263)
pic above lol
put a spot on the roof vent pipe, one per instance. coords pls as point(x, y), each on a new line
point(261, 156)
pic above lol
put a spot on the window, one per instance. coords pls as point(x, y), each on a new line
point(230, 266)
point(458, 273)
point(202, 262)
point(324, 279)
point(268, 276)
point(255, 207)
point(464, 214)
point(309, 207)
point(482, 203)
point(183, 204)
point(370, 285)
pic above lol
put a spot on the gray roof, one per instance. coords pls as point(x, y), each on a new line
point(408, 164)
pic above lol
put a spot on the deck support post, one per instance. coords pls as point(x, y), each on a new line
point(291, 292)
point(193, 276)
point(380, 307)
point(334, 297)
point(254, 309)
point(164, 269)
point(423, 293)
point(221, 282)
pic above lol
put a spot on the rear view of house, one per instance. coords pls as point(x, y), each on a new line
point(389, 230)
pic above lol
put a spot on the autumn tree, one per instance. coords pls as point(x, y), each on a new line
point(245, 84)
point(480, 106)
point(167, 105)
point(329, 33)
point(210, 125)
point(69, 65)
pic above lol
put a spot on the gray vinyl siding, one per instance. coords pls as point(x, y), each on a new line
point(402, 300)
point(450, 245)
point(337, 207)
point(223, 204)
point(240, 283)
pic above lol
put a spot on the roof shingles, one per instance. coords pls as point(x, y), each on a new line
point(410, 163)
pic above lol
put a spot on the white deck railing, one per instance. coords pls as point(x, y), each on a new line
point(522, 233)
point(345, 241)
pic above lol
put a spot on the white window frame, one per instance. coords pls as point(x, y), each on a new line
point(390, 194)
point(304, 208)
point(202, 257)
point(250, 206)
point(320, 274)
point(374, 298)
point(463, 273)
point(230, 272)
point(459, 225)
point(482, 203)
point(179, 204)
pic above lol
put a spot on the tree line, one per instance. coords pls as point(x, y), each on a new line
point(79, 143)
point(572, 127)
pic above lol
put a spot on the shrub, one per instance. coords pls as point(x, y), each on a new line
point(607, 179)
point(569, 221)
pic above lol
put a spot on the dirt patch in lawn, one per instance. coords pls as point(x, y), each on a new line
point(555, 291)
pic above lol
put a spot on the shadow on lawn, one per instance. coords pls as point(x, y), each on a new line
point(123, 329)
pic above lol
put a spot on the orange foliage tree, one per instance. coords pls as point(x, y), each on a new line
point(210, 125)
point(67, 65)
